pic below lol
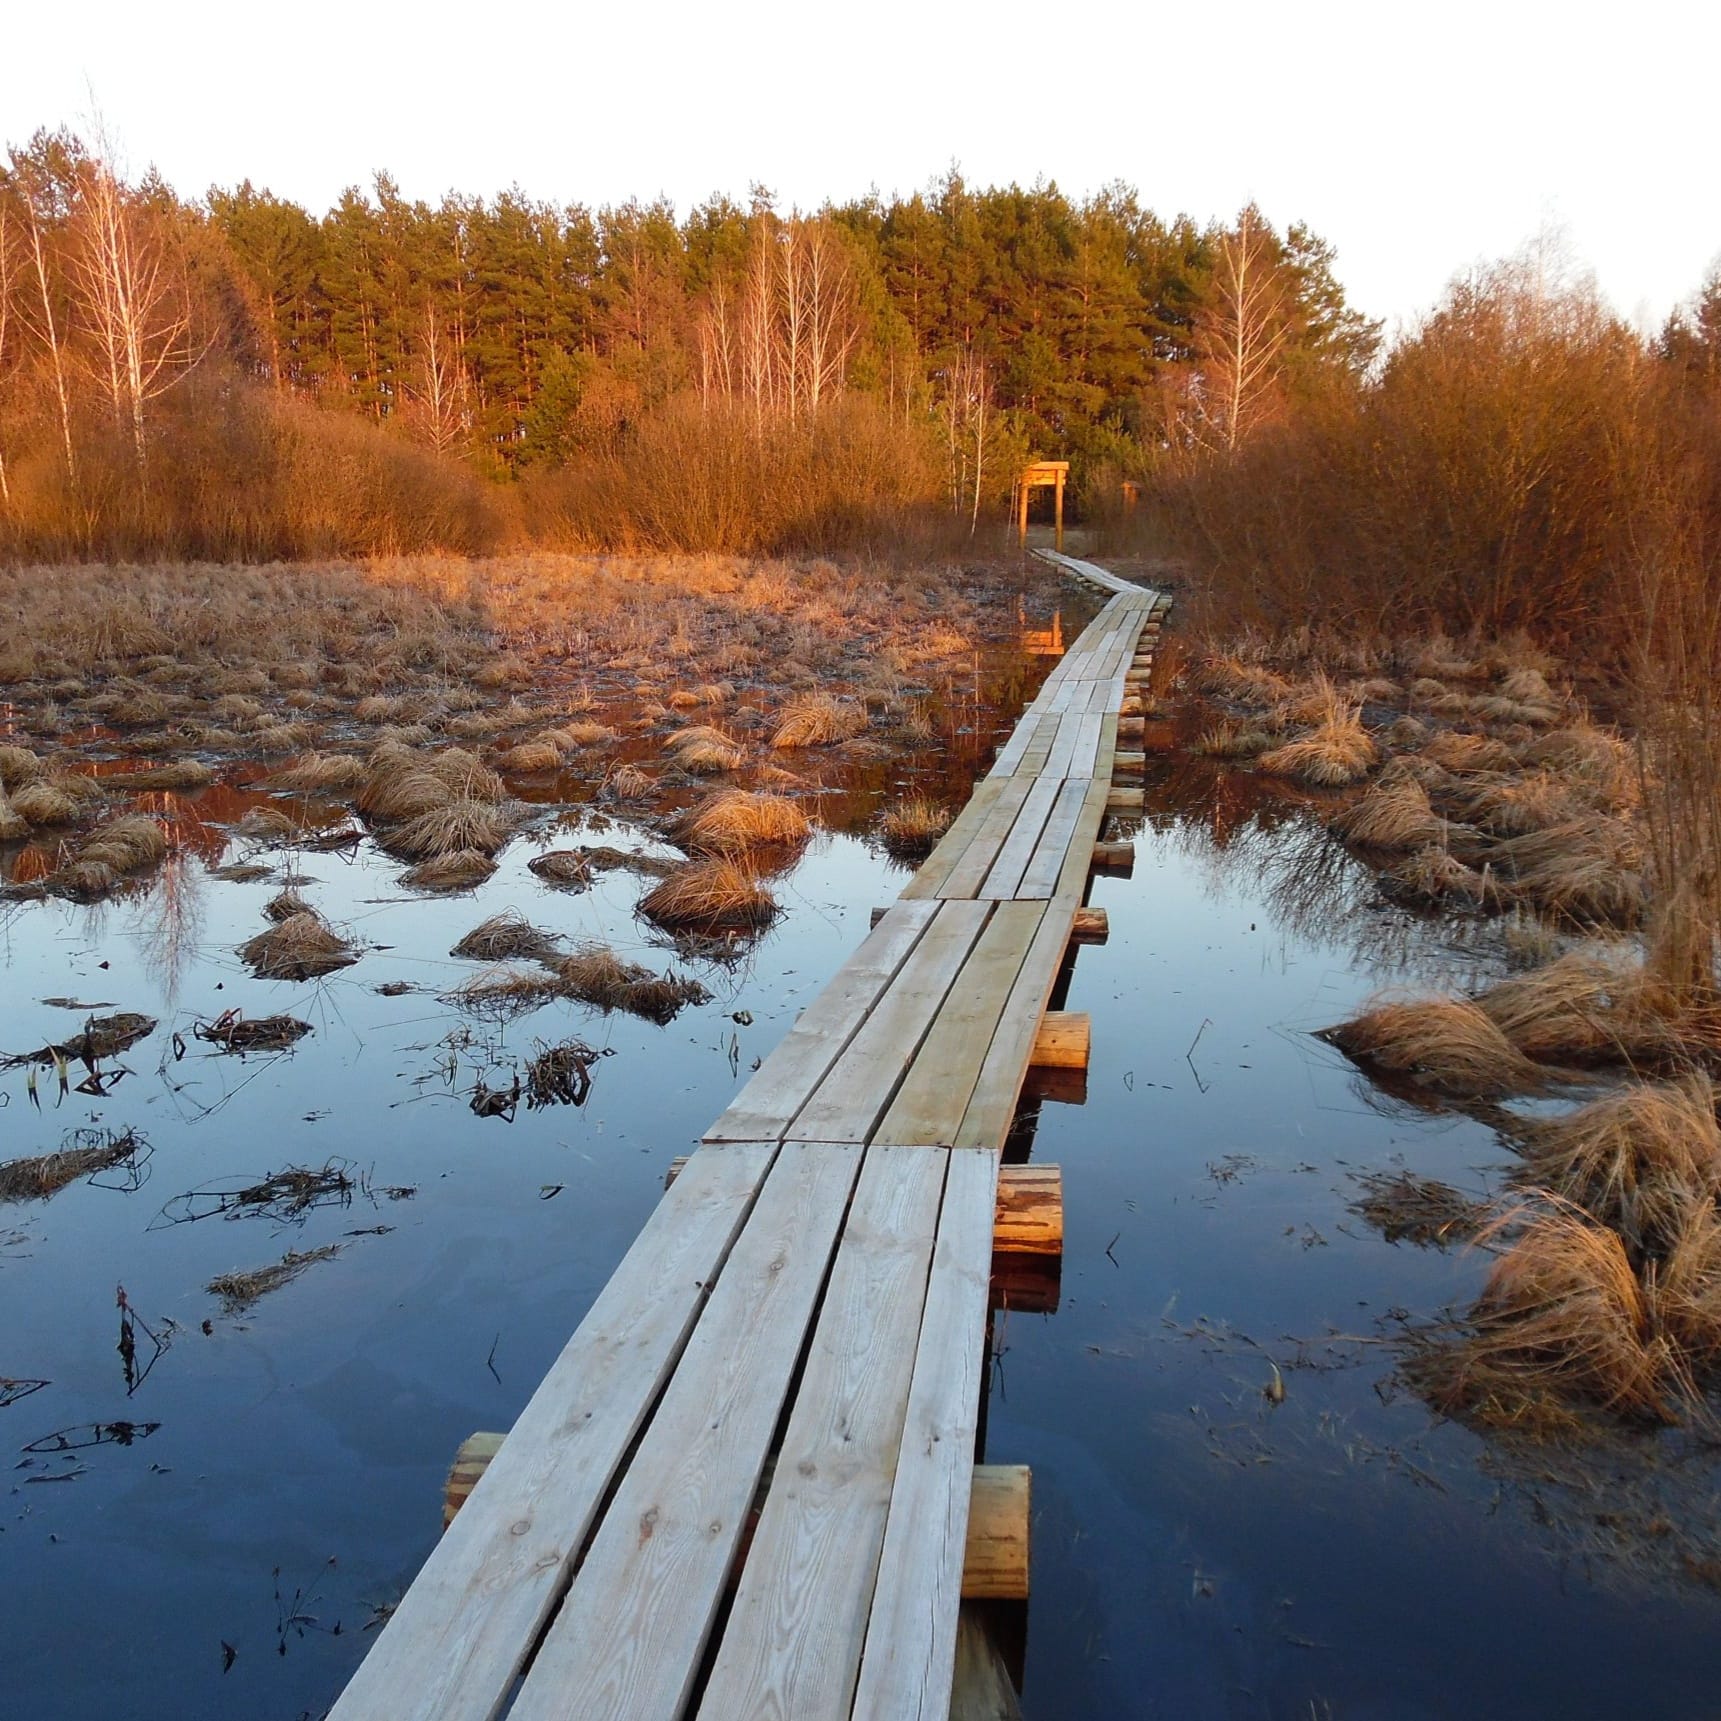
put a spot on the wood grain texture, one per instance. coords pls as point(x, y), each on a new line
point(934, 1095)
point(629, 1637)
point(792, 1646)
point(910, 1650)
point(863, 1081)
point(800, 1061)
point(462, 1631)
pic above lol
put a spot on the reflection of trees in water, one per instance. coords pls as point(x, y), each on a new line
point(1247, 835)
point(168, 924)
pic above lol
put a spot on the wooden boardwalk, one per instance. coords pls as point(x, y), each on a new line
point(795, 1344)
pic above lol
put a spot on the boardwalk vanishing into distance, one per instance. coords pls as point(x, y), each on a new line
point(748, 1487)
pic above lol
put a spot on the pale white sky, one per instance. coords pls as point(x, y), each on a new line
point(1419, 138)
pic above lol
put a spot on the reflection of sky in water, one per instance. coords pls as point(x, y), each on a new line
point(1198, 1551)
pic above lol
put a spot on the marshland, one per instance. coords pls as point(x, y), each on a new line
point(444, 741)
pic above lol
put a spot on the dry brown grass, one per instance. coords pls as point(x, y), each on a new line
point(14, 827)
point(301, 947)
point(504, 937)
point(455, 827)
point(738, 820)
point(711, 896)
point(1446, 1045)
point(1395, 817)
point(910, 830)
point(596, 975)
point(240, 1290)
point(18, 766)
point(1454, 751)
point(464, 869)
point(531, 757)
point(320, 773)
point(1338, 753)
point(181, 774)
point(629, 783)
point(49, 802)
point(1584, 1008)
point(819, 720)
point(1231, 677)
point(1635, 1161)
point(1562, 1318)
point(1229, 739)
point(1421, 1210)
point(566, 868)
point(38, 1177)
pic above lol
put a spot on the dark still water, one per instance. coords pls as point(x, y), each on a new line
point(205, 1524)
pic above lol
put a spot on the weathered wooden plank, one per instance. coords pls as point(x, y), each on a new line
point(1085, 754)
point(910, 1649)
point(629, 1637)
point(953, 844)
point(1017, 850)
point(969, 873)
point(933, 1099)
point(1064, 748)
point(454, 1645)
point(1072, 881)
point(803, 1057)
point(863, 1081)
point(993, 1103)
point(792, 1646)
point(1040, 876)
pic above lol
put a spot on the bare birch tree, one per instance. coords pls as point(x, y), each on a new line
point(136, 307)
point(440, 395)
point(40, 318)
point(1241, 334)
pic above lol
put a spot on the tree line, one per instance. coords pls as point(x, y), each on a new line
point(516, 338)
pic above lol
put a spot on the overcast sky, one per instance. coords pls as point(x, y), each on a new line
point(1419, 138)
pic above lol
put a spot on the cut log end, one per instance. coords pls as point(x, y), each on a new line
point(1063, 1040)
point(1114, 857)
point(1092, 926)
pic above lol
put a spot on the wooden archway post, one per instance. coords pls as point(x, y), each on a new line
point(1040, 475)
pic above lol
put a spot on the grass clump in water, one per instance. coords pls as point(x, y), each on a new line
point(38, 1177)
point(303, 946)
point(1447, 1045)
point(910, 830)
point(504, 937)
point(240, 1290)
point(819, 720)
point(596, 975)
point(710, 896)
point(737, 820)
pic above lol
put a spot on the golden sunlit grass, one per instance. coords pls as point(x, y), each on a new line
point(1447, 1045)
point(319, 773)
point(457, 826)
point(1395, 817)
point(737, 820)
point(302, 947)
point(710, 896)
point(910, 829)
point(18, 766)
point(819, 720)
point(1340, 752)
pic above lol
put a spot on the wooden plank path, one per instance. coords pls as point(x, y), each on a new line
point(795, 1343)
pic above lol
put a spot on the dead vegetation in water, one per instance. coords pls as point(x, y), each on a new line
point(303, 946)
point(101, 1037)
point(596, 975)
point(463, 869)
point(86, 1153)
point(819, 720)
point(1405, 1208)
point(319, 774)
point(910, 829)
point(565, 869)
point(238, 1291)
point(234, 1031)
point(505, 937)
point(282, 1196)
point(710, 896)
point(560, 1074)
point(1449, 1046)
point(738, 820)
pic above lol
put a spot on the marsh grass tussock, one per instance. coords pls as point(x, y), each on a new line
point(18, 766)
point(1587, 1008)
point(910, 828)
point(1635, 1161)
point(819, 720)
point(594, 974)
point(736, 820)
point(505, 937)
point(301, 947)
point(1338, 753)
point(1395, 817)
point(1433, 877)
point(1230, 739)
point(464, 869)
point(319, 773)
point(710, 896)
point(566, 869)
point(1448, 1046)
point(239, 1290)
point(455, 827)
point(14, 827)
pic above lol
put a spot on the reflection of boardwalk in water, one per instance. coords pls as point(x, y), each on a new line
point(748, 1486)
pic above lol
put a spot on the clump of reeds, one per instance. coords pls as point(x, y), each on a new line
point(1229, 739)
point(403, 785)
point(1435, 878)
point(1562, 1318)
point(532, 757)
point(737, 820)
point(1584, 1008)
point(505, 992)
point(301, 947)
point(1634, 1161)
point(115, 851)
point(1340, 752)
point(51, 801)
point(239, 1290)
point(18, 766)
point(629, 783)
point(320, 773)
point(1245, 683)
point(504, 937)
point(1453, 750)
point(45, 1174)
point(819, 720)
point(910, 829)
point(461, 870)
point(1447, 1045)
point(596, 975)
point(181, 774)
point(714, 896)
point(703, 750)
point(1396, 817)
point(452, 828)
point(585, 733)
point(1586, 870)
point(567, 868)
point(14, 827)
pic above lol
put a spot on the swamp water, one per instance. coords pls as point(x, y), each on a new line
point(212, 1508)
